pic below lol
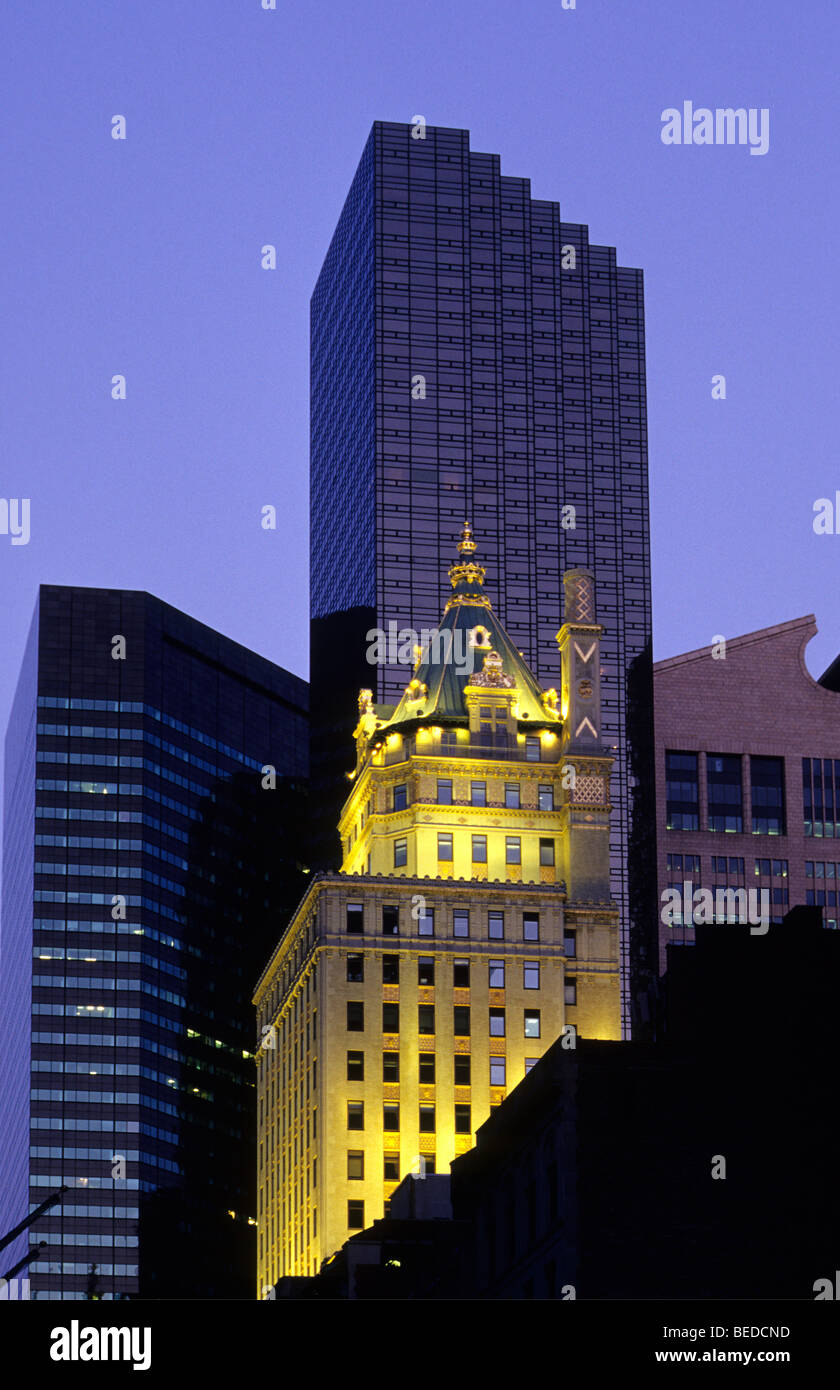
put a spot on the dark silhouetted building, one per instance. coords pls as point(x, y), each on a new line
point(148, 860)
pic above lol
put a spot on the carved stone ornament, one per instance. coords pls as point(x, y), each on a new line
point(492, 674)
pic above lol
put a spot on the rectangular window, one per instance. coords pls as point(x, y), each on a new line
point(461, 974)
point(513, 849)
point(570, 944)
point(497, 974)
point(497, 1023)
point(570, 990)
point(497, 1071)
point(530, 926)
point(479, 849)
point(767, 790)
point(821, 795)
point(444, 791)
point(425, 1018)
point(546, 851)
point(682, 791)
point(391, 1118)
point(355, 968)
point(355, 1164)
point(530, 1063)
point(355, 1066)
point(462, 1069)
point(445, 847)
point(532, 749)
point(461, 1027)
point(427, 1165)
point(427, 1119)
point(426, 1069)
point(496, 926)
point(390, 921)
point(426, 922)
point(390, 1018)
point(546, 796)
point(461, 922)
point(356, 1216)
point(463, 1123)
point(478, 793)
point(390, 1066)
point(532, 1023)
point(400, 797)
point(531, 974)
point(723, 780)
point(390, 970)
point(391, 1170)
point(512, 795)
point(356, 918)
point(355, 1016)
point(355, 1114)
point(425, 970)
point(400, 853)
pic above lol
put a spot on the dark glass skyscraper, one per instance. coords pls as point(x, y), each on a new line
point(149, 863)
point(475, 356)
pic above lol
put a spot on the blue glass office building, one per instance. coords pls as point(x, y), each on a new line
point(147, 872)
point(475, 356)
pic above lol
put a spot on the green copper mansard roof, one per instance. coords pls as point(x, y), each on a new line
point(469, 648)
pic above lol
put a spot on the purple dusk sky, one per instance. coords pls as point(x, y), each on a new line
point(244, 127)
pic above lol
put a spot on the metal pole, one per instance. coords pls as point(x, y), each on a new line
point(33, 1216)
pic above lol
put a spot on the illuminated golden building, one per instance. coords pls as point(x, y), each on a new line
point(471, 925)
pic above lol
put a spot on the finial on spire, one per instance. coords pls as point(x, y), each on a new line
point(466, 570)
point(466, 545)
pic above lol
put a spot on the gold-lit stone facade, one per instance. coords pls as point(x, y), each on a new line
point(471, 923)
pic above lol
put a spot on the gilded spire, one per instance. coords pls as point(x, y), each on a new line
point(466, 572)
point(466, 545)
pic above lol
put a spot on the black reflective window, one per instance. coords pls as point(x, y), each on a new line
point(682, 791)
point(767, 791)
point(723, 782)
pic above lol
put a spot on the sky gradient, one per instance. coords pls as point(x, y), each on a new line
point(244, 127)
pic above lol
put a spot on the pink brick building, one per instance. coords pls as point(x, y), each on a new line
point(748, 773)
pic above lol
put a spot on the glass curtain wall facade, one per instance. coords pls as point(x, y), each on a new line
point(475, 356)
point(148, 862)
